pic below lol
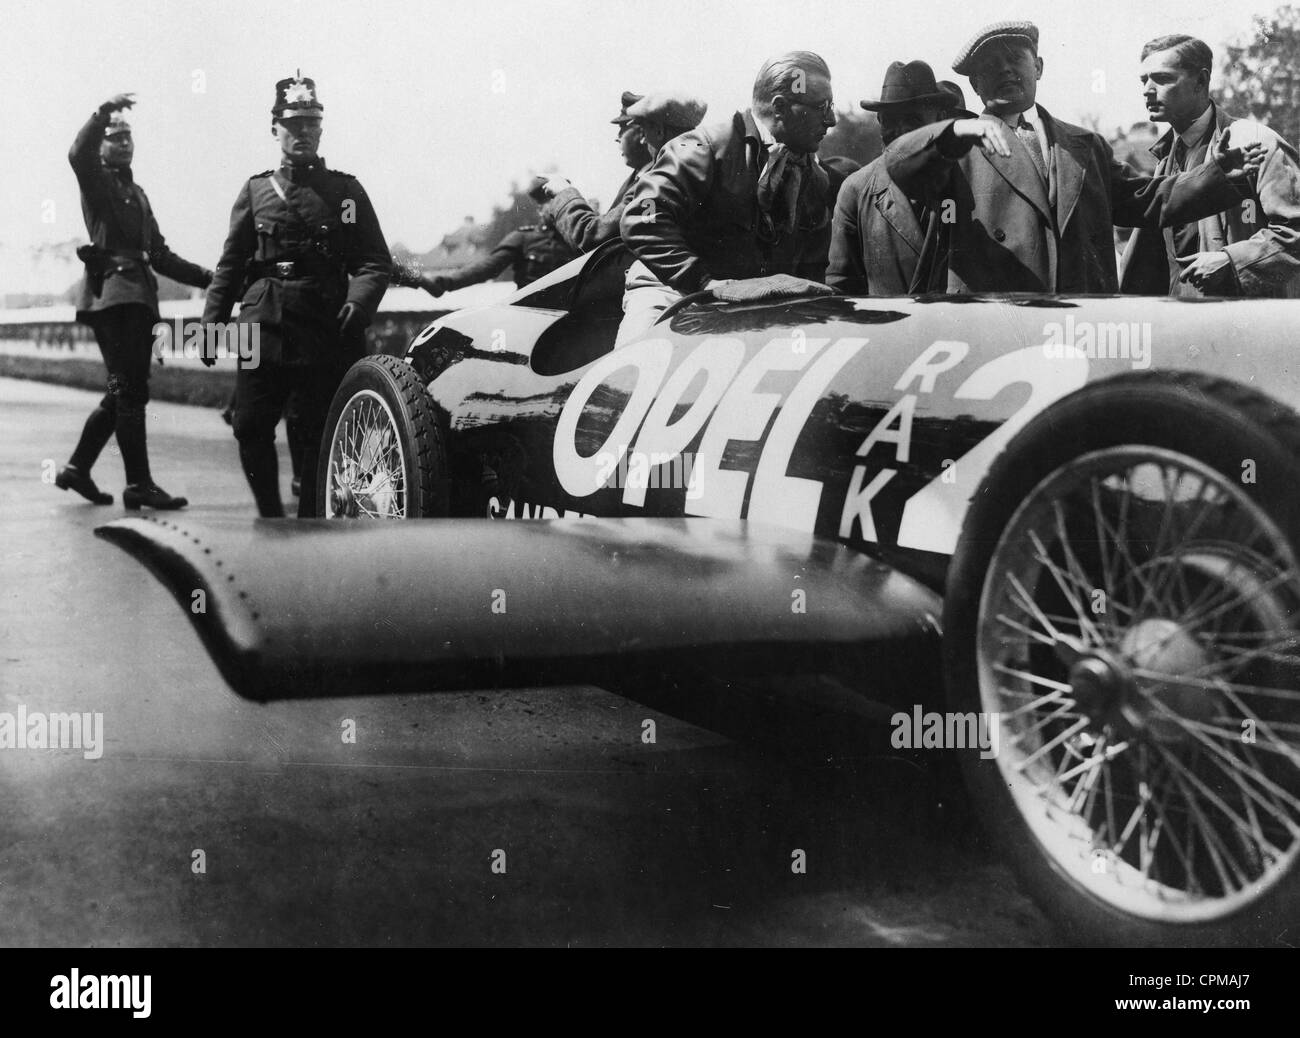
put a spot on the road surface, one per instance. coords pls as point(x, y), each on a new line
point(208, 820)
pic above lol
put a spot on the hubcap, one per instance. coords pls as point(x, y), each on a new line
point(1138, 642)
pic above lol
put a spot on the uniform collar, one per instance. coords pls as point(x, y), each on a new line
point(296, 174)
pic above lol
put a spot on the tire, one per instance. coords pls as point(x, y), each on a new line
point(383, 454)
point(1126, 790)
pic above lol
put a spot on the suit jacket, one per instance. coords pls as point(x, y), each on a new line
point(321, 219)
point(694, 213)
point(121, 223)
point(1260, 232)
point(580, 226)
point(878, 247)
point(1008, 232)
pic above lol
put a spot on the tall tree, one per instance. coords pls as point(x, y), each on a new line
point(1261, 74)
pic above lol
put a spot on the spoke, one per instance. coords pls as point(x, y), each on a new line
point(1028, 604)
point(1016, 625)
point(1097, 758)
point(1073, 730)
point(1210, 838)
point(1231, 766)
point(1220, 803)
point(1086, 627)
point(1215, 684)
point(1037, 679)
point(1184, 854)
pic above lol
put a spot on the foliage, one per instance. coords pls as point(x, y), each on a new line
point(1261, 73)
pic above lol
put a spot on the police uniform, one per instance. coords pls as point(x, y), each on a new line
point(118, 299)
point(304, 241)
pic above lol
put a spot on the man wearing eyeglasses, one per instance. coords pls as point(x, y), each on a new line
point(742, 200)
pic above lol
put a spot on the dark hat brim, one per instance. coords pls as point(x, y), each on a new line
point(939, 97)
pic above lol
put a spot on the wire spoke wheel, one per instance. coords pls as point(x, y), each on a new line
point(382, 455)
point(1137, 638)
point(367, 466)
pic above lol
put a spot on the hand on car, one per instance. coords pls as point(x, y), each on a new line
point(777, 286)
point(1211, 273)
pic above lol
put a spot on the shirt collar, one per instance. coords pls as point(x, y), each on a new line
point(1013, 120)
point(763, 132)
point(1195, 133)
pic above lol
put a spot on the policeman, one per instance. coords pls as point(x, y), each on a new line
point(533, 251)
point(308, 261)
point(119, 301)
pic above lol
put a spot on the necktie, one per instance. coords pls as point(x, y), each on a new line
point(792, 191)
point(1185, 239)
point(1029, 138)
point(1180, 156)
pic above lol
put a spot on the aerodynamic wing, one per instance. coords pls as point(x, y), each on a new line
point(299, 608)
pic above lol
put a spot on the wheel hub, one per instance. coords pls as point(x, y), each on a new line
point(1163, 646)
point(1098, 681)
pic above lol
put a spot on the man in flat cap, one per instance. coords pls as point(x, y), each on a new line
point(1251, 248)
point(119, 301)
point(1030, 201)
point(307, 259)
point(645, 123)
point(740, 200)
point(884, 243)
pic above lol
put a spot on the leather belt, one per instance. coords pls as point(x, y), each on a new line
point(291, 269)
point(129, 255)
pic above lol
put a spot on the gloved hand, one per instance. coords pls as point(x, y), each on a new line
point(208, 359)
point(351, 319)
point(776, 286)
point(435, 285)
point(117, 102)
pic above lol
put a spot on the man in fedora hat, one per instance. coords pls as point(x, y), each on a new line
point(307, 261)
point(884, 243)
point(1032, 200)
point(119, 301)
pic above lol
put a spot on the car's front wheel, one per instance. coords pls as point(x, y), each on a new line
point(383, 455)
point(1125, 608)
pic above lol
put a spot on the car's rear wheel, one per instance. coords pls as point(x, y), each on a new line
point(383, 455)
point(1125, 598)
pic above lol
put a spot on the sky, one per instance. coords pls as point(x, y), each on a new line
point(438, 105)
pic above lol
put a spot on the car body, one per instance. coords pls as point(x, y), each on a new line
point(1092, 498)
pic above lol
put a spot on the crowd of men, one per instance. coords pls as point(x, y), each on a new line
point(1009, 200)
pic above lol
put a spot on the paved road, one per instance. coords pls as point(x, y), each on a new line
point(307, 840)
